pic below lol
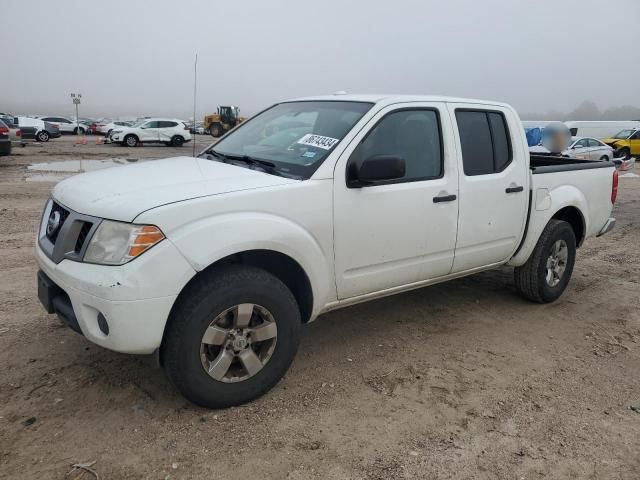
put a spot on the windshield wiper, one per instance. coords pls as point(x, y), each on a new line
point(266, 165)
point(252, 161)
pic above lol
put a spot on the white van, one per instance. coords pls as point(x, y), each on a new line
point(600, 129)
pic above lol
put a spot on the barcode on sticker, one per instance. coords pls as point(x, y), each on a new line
point(326, 143)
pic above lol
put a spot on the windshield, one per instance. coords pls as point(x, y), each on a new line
point(624, 134)
point(295, 137)
point(139, 123)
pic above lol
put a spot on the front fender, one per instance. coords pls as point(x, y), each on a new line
point(205, 241)
point(545, 204)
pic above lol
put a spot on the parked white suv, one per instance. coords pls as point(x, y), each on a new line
point(310, 206)
point(169, 131)
point(66, 125)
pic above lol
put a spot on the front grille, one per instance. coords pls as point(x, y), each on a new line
point(65, 233)
point(82, 236)
point(52, 234)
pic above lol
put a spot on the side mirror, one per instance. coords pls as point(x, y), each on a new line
point(374, 169)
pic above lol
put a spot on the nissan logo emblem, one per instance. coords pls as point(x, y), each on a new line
point(53, 223)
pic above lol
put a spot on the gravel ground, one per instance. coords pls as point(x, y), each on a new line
point(460, 380)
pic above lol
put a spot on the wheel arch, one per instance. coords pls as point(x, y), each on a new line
point(280, 265)
point(569, 205)
point(573, 216)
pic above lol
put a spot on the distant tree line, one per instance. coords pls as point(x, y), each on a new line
point(588, 111)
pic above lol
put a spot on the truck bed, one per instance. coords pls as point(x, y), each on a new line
point(540, 163)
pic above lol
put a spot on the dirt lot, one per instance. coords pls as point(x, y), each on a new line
point(460, 380)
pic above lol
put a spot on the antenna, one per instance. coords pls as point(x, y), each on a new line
point(195, 86)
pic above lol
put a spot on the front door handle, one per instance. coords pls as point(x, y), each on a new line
point(444, 198)
point(514, 189)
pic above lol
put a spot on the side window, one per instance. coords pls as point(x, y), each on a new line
point(636, 136)
point(167, 124)
point(152, 124)
point(582, 143)
point(485, 141)
point(594, 143)
point(413, 135)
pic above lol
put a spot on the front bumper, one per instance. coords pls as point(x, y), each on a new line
point(134, 299)
point(608, 226)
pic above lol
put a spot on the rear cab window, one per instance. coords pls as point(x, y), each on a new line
point(485, 141)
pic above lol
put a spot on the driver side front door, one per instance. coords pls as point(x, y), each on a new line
point(149, 131)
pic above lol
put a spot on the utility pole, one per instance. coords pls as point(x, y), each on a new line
point(195, 78)
point(76, 101)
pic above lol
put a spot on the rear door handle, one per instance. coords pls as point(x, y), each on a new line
point(444, 198)
point(514, 189)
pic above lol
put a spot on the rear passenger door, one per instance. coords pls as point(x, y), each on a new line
point(494, 184)
point(166, 130)
point(597, 150)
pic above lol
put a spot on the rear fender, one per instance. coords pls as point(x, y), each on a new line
point(546, 203)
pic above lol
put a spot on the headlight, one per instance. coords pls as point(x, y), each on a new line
point(116, 243)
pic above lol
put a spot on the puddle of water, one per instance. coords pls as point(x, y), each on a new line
point(45, 177)
point(57, 171)
point(75, 166)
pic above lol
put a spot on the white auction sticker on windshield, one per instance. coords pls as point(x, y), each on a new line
point(326, 143)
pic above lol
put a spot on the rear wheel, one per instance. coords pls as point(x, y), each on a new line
point(216, 130)
point(177, 141)
point(231, 337)
point(547, 272)
point(43, 136)
point(604, 158)
point(131, 140)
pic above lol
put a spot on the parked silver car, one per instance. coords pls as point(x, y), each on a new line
point(589, 148)
point(582, 147)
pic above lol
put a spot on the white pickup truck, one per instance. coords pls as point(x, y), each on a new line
point(312, 205)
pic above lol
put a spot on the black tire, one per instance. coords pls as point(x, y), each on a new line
point(43, 136)
point(624, 153)
point(108, 135)
point(531, 278)
point(177, 141)
point(216, 130)
point(130, 141)
point(604, 158)
point(75, 131)
point(208, 297)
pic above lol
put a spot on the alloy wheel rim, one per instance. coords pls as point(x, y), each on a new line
point(238, 343)
point(556, 263)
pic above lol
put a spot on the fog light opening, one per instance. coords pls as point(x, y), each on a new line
point(102, 324)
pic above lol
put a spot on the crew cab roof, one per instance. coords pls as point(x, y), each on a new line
point(389, 99)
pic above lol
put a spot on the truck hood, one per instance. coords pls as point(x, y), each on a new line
point(123, 193)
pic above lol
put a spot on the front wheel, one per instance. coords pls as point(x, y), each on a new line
point(43, 136)
point(216, 130)
point(604, 158)
point(624, 153)
point(231, 337)
point(547, 272)
point(131, 140)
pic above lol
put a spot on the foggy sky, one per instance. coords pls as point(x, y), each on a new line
point(135, 58)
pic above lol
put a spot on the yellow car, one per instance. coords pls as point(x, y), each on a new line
point(626, 143)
